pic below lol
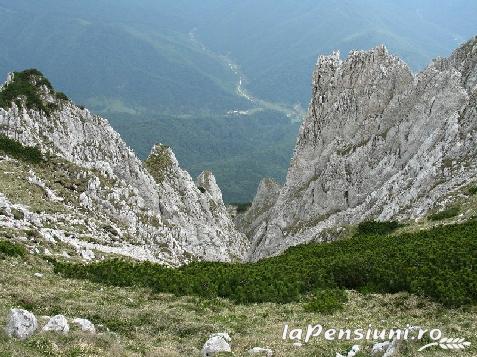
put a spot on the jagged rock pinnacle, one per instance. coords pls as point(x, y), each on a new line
point(378, 143)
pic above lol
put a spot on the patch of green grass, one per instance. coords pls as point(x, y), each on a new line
point(11, 249)
point(18, 151)
point(447, 213)
point(439, 263)
point(327, 301)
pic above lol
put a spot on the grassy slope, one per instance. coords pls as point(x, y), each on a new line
point(143, 323)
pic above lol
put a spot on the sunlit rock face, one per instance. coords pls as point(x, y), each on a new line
point(378, 143)
point(152, 210)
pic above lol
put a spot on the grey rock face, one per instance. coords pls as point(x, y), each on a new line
point(21, 324)
point(378, 143)
point(155, 205)
point(206, 181)
point(57, 323)
point(252, 220)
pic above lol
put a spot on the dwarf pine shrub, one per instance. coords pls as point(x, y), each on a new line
point(327, 301)
point(374, 227)
point(473, 190)
point(25, 89)
point(447, 213)
point(18, 151)
point(11, 249)
point(439, 263)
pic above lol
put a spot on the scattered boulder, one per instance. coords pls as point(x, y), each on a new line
point(259, 350)
point(381, 347)
point(216, 343)
point(21, 324)
point(352, 353)
point(38, 275)
point(85, 325)
point(57, 323)
point(87, 254)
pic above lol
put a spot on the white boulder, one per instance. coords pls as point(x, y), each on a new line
point(57, 323)
point(85, 325)
point(259, 350)
point(21, 324)
point(216, 343)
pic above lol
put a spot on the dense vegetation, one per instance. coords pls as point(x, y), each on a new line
point(159, 163)
point(18, 151)
point(327, 301)
point(242, 207)
point(473, 190)
point(11, 249)
point(25, 86)
point(374, 227)
point(439, 263)
point(447, 213)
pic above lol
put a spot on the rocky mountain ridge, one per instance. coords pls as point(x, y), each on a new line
point(151, 210)
point(379, 142)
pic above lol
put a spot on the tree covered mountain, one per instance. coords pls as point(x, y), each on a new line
point(169, 71)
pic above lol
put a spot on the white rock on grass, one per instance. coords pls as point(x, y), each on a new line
point(87, 254)
point(259, 350)
point(380, 347)
point(21, 324)
point(352, 353)
point(85, 325)
point(57, 323)
point(216, 343)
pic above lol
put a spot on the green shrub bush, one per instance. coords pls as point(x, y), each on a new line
point(327, 301)
point(447, 213)
point(18, 151)
point(26, 85)
point(242, 207)
point(473, 190)
point(374, 227)
point(439, 263)
point(11, 249)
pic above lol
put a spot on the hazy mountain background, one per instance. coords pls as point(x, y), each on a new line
point(168, 70)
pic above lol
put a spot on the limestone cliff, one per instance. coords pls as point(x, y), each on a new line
point(152, 210)
point(378, 143)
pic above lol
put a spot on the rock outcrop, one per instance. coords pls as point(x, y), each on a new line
point(378, 143)
point(150, 210)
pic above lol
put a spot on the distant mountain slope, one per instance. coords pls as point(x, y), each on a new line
point(282, 39)
point(169, 71)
